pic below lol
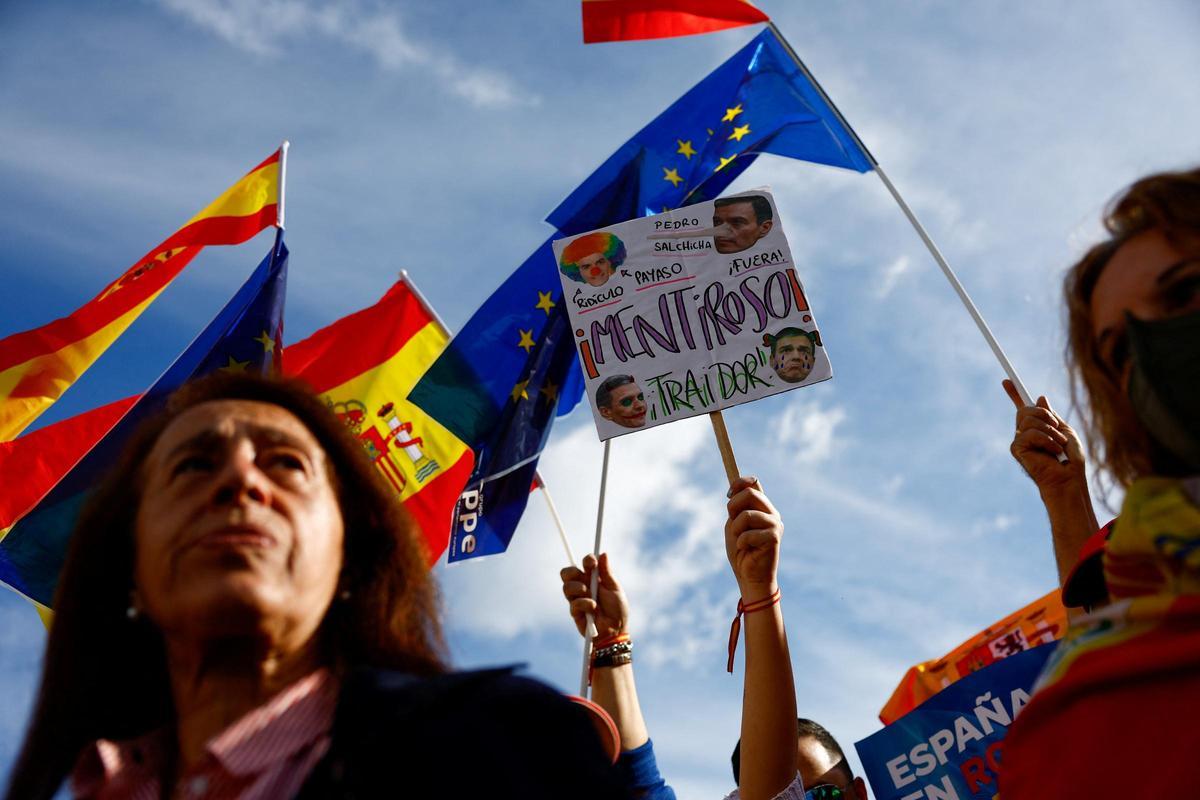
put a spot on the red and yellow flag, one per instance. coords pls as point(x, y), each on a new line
point(38, 365)
point(364, 365)
point(1042, 621)
point(621, 20)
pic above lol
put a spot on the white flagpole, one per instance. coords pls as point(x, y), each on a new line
point(587, 641)
point(279, 201)
point(1009, 369)
point(558, 523)
point(590, 631)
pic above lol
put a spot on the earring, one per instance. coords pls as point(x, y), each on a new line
point(344, 595)
point(132, 612)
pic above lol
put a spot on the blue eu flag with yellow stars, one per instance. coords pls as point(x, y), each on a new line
point(498, 387)
point(244, 337)
point(759, 101)
point(500, 380)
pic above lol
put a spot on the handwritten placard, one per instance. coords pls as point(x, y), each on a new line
point(688, 312)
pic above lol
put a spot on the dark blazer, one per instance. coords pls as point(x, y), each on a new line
point(479, 735)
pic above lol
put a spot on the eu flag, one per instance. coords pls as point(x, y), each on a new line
point(497, 387)
point(496, 384)
point(759, 101)
point(245, 336)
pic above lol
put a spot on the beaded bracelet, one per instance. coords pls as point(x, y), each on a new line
point(612, 660)
point(611, 651)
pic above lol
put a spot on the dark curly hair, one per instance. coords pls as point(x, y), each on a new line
point(105, 677)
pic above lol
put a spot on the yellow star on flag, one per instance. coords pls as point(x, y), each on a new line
point(550, 391)
point(739, 132)
point(526, 339)
point(235, 366)
point(519, 390)
point(544, 302)
point(730, 113)
point(266, 341)
point(685, 149)
point(672, 176)
point(725, 162)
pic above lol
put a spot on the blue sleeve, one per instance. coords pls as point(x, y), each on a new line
point(639, 770)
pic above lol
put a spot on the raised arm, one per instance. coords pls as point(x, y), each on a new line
point(769, 736)
point(1041, 435)
point(613, 687)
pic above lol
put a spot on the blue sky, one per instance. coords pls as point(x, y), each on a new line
point(435, 137)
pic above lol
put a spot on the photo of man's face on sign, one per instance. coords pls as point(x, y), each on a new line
point(593, 258)
point(619, 399)
point(793, 353)
point(739, 222)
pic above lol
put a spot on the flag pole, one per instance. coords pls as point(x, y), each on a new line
point(959, 289)
point(279, 201)
point(587, 640)
point(590, 631)
point(558, 523)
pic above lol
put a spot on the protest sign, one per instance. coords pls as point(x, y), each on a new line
point(950, 747)
point(688, 312)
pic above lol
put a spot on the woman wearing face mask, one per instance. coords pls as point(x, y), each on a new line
point(1125, 680)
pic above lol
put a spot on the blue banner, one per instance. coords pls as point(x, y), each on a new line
point(950, 746)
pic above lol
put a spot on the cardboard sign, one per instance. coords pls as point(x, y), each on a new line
point(951, 746)
point(688, 312)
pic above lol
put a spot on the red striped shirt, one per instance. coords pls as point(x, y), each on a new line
point(268, 753)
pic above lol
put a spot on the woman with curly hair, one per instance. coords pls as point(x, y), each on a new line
point(1125, 677)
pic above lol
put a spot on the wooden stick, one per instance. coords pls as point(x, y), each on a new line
point(727, 457)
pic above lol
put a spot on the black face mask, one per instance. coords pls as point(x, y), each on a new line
point(1164, 385)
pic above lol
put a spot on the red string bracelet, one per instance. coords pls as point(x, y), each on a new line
point(599, 644)
point(736, 628)
point(602, 644)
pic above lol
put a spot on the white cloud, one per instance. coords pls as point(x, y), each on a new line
point(657, 514)
point(807, 431)
point(263, 27)
point(889, 275)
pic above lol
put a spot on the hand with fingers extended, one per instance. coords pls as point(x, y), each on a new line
point(1041, 437)
point(610, 609)
point(753, 533)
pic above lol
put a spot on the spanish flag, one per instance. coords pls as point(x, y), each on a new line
point(364, 365)
point(622, 20)
point(37, 366)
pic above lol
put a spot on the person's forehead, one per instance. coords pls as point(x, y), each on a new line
point(813, 761)
point(592, 257)
point(229, 419)
point(794, 341)
point(1130, 275)
point(626, 388)
point(744, 207)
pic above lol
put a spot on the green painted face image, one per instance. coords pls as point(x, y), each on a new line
point(627, 406)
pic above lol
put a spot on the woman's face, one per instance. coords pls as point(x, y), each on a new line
point(1149, 278)
point(238, 531)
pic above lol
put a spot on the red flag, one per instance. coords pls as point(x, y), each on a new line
point(622, 20)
